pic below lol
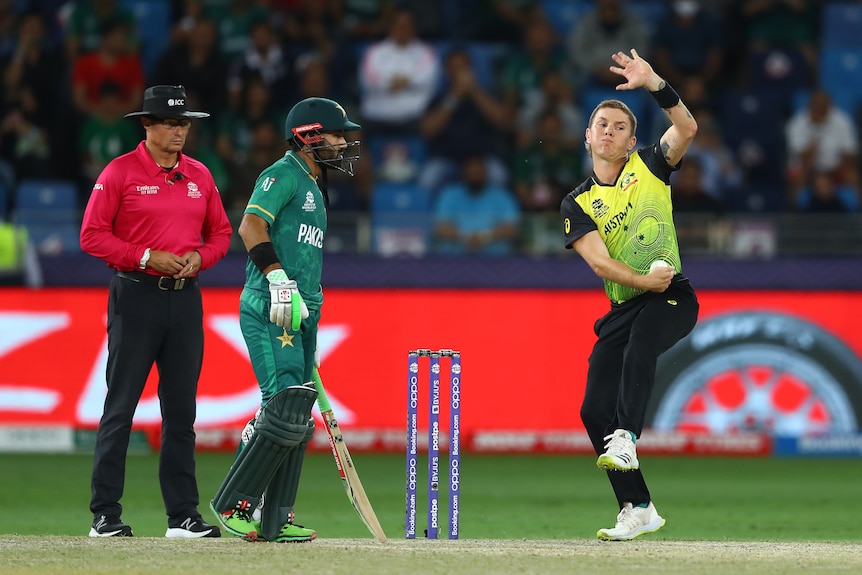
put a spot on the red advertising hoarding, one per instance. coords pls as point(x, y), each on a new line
point(524, 356)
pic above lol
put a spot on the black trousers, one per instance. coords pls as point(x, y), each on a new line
point(622, 368)
point(147, 325)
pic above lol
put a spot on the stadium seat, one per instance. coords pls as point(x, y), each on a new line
point(400, 219)
point(564, 14)
point(430, 17)
point(154, 26)
point(757, 198)
point(740, 110)
point(48, 209)
point(841, 25)
point(4, 201)
point(343, 195)
point(845, 194)
point(380, 146)
point(799, 100)
point(650, 12)
point(841, 76)
point(46, 195)
point(782, 70)
point(485, 58)
point(753, 126)
point(51, 238)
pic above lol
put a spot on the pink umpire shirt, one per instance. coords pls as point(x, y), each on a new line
point(136, 204)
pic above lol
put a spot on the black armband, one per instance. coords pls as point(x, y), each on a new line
point(263, 255)
point(666, 96)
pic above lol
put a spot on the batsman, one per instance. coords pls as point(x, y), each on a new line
point(282, 228)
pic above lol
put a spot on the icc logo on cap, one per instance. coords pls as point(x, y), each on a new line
point(176, 102)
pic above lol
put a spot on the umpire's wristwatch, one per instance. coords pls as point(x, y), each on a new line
point(144, 259)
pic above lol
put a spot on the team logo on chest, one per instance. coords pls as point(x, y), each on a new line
point(599, 208)
point(309, 205)
point(628, 180)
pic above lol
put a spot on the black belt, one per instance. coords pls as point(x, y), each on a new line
point(165, 283)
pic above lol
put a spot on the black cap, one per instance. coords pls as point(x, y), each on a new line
point(166, 102)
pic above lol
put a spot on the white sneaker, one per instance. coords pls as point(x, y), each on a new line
point(620, 454)
point(633, 521)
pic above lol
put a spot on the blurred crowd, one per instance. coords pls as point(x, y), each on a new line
point(475, 109)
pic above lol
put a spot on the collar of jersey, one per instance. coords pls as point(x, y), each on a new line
point(150, 166)
point(301, 164)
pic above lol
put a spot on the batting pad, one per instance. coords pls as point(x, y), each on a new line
point(282, 425)
point(281, 493)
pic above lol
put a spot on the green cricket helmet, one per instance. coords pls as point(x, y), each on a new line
point(309, 119)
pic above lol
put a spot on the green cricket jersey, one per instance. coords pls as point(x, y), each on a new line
point(633, 216)
point(286, 195)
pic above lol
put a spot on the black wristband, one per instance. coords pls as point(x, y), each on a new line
point(666, 96)
point(263, 255)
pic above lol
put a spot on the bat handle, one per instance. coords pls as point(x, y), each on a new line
point(322, 399)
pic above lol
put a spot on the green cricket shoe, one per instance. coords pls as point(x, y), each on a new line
point(238, 522)
point(290, 533)
point(293, 533)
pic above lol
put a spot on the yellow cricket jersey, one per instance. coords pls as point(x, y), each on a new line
point(633, 216)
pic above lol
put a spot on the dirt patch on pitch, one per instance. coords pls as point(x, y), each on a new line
point(33, 555)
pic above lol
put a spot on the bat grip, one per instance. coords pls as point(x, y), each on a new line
point(322, 399)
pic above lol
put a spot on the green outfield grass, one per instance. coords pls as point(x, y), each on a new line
point(520, 514)
point(503, 497)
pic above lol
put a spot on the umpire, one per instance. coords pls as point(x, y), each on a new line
point(154, 215)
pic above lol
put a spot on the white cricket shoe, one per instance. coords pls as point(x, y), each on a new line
point(620, 454)
point(631, 522)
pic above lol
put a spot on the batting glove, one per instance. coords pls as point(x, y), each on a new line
point(286, 302)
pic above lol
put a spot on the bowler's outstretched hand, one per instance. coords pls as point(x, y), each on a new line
point(633, 68)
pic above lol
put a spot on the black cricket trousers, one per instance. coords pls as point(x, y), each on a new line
point(622, 368)
point(149, 325)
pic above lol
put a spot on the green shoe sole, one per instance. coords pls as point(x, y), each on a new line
point(236, 526)
point(291, 533)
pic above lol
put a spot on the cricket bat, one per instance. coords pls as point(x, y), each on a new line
point(349, 477)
